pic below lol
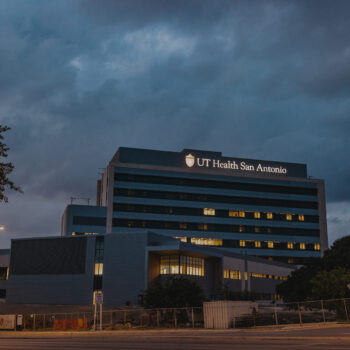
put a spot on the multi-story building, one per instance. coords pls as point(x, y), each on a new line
point(261, 208)
point(215, 219)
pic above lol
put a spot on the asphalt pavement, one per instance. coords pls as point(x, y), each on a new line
point(333, 337)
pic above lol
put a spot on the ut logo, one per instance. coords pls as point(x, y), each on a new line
point(190, 160)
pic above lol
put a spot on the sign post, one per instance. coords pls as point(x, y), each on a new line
point(99, 301)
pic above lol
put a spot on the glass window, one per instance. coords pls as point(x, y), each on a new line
point(317, 246)
point(99, 269)
point(232, 274)
point(289, 217)
point(256, 229)
point(182, 239)
point(290, 245)
point(302, 246)
point(4, 273)
point(270, 244)
point(257, 215)
point(208, 211)
point(269, 216)
point(233, 213)
point(257, 244)
point(242, 243)
point(207, 241)
point(183, 226)
point(301, 217)
point(203, 227)
point(241, 229)
point(174, 264)
point(242, 214)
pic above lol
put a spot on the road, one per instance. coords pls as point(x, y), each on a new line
point(321, 338)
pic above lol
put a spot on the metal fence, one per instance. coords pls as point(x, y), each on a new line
point(117, 319)
point(138, 318)
point(296, 313)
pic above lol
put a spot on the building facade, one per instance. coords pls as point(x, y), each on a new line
point(227, 223)
point(70, 270)
point(260, 208)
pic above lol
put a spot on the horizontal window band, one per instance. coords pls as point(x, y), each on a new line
point(139, 208)
point(214, 198)
point(164, 180)
point(211, 227)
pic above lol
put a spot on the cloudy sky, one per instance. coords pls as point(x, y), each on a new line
point(255, 79)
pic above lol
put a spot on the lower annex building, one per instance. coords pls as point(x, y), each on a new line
point(228, 223)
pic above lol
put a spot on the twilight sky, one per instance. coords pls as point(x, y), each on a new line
point(254, 79)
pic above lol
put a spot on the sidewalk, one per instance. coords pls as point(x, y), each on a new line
point(164, 331)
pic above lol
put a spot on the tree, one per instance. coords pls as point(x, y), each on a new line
point(176, 291)
point(5, 168)
point(331, 284)
point(301, 283)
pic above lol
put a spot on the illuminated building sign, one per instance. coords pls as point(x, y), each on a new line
point(197, 161)
point(191, 160)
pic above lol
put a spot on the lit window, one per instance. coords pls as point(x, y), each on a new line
point(290, 245)
point(83, 233)
point(207, 241)
point(236, 213)
point(317, 246)
point(270, 258)
point(256, 229)
point(182, 239)
point(269, 216)
point(242, 243)
point(301, 217)
point(241, 228)
point(302, 246)
point(203, 227)
point(208, 211)
point(187, 265)
point(99, 269)
point(232, 274)
point(257, 244)
point(246, 276)
point(258, 275)
point(183, 226)
point(270, 244)
point(290, 261)
point(289, 217)
point(257, 215)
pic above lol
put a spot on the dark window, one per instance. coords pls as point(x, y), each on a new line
point(215, 227)
point(88, 220)
point(99, 249)
point(218, 199)
point(2, 293)
point(163, 180)
point(3, 273)
point(97, 282)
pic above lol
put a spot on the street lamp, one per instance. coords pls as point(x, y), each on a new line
point(2, 227)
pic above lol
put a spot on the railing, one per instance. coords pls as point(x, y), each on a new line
point(299, 313)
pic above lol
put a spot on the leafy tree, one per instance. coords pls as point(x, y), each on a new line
point(301, 284)
point(5, 168)
point(331, 284)
point(176, 291)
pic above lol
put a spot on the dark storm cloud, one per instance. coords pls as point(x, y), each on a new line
point(257, 79)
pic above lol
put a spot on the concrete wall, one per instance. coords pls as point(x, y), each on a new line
point(74, 289)
point(125, 268)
